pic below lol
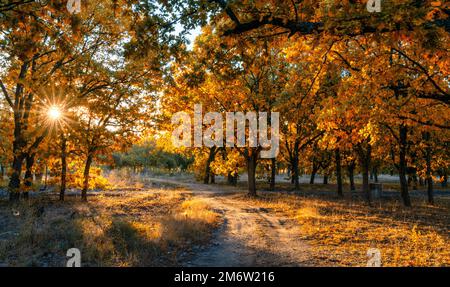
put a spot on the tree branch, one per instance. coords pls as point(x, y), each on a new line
point(424, 71)
point(306, 28)
point(5, 93)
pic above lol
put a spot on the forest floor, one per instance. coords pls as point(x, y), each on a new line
point(168, 221)
point(250, 236)
point(149, 226)
point(316, 228)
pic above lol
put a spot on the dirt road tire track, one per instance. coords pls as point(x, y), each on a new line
point(249, 236)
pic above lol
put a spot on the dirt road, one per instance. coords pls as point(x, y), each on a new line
point(249, 236)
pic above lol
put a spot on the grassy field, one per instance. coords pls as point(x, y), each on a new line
point(341, 231)
point(116, 228)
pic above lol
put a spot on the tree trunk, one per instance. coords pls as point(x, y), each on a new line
point(207, 173)
point(444, 179)
point(375, 173)
point(232, 179)
point(365, 161)
point(403, 166)
point(273, 173)
point(415, 181)
point(87, 168)
point(339, 173)
point(351, 175)
point(14, 181)
point(312, 178)
point(212, 154)
point(294, 165)
point(252, 159)
point(325, 179)
point(295, 175)
point(62, 190)
point(28, 180)
point(46, 177)
point(313, 173)
point(365, 185)
point(429, 172)
point(20, 109)
point(421, 181)
point(289, 173)
point(39, 175)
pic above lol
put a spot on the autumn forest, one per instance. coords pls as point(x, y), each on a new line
point(113, 140)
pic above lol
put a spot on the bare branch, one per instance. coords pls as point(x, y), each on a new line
point(5, 93)
point(422, 68)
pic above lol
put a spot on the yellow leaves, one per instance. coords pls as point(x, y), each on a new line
point(229, 165)
point(436, 3)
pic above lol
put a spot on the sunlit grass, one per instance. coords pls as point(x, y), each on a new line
point(133, 228)
point(341, 231)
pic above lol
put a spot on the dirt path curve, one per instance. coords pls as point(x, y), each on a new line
point(249, 236)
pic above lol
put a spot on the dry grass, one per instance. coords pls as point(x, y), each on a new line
point(126, 179)
point(127, 228)
point(341, 231)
